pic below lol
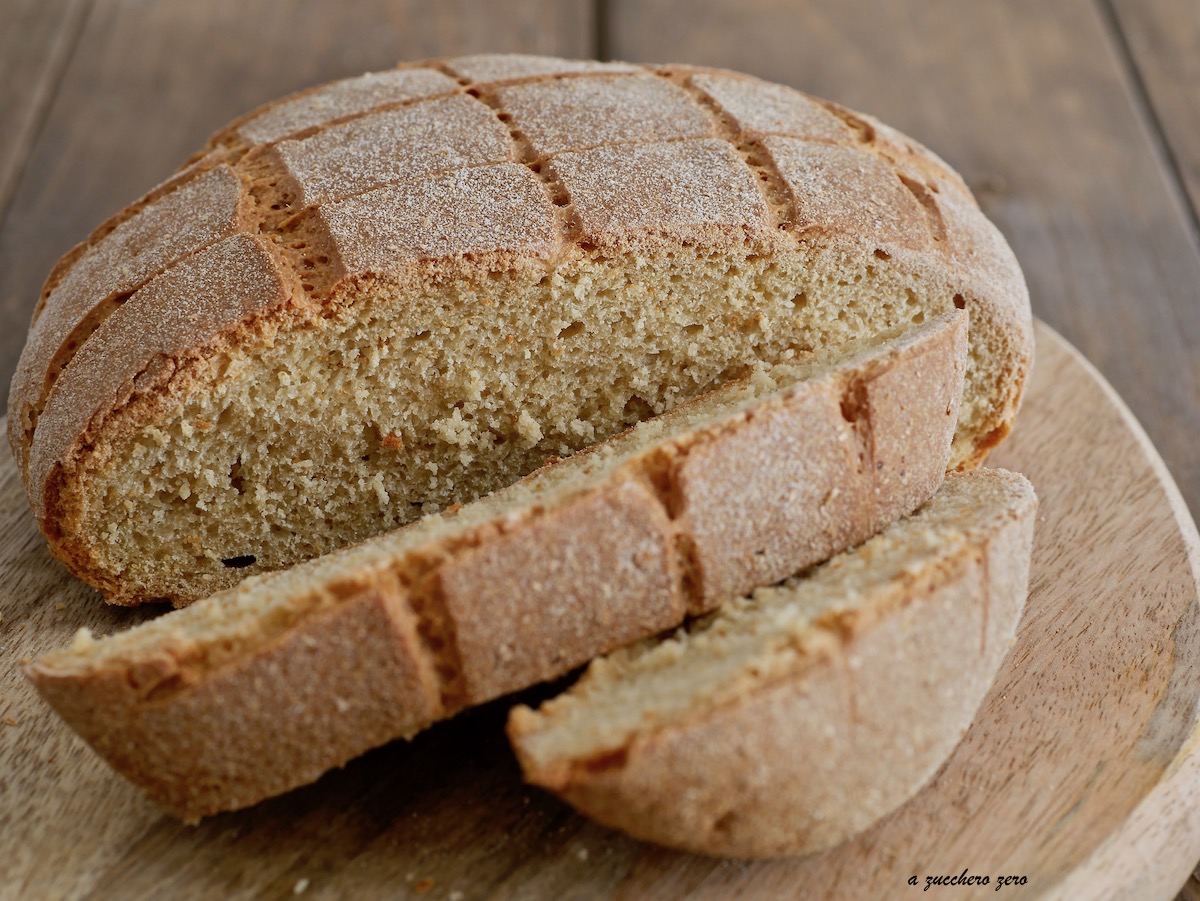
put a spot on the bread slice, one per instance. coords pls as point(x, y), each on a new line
point(266, 686)
point(405, 290)
point(791, 720)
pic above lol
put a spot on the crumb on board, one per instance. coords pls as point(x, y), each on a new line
point(300, 887)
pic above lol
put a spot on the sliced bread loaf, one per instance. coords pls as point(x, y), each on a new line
point(793, 719)
point(267, 685)
point(401, 291)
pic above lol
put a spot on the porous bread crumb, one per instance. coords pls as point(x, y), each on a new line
point(83, 641)
point(233, 623)
point(331, 392)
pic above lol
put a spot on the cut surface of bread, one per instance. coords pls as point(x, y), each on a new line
point(402, 291)
point(734, 489)
point(788, 721)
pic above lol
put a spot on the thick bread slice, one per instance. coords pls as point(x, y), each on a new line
point(791, 720)
point(455, 270)
point(266, 686)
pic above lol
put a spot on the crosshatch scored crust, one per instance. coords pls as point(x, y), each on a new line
point(537, 281)
point(606, 547)
point(789, 721)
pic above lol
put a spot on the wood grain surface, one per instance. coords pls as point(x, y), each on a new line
point(35, 44)
point(1080, 772)
point(1162, 38)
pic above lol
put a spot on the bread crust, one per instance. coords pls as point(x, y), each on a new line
point(529, 605)
point(377, 649)
point(872, 705)
point(930, 226)
point(776, 491)
point(345, 678)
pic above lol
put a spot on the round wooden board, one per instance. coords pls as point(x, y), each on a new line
point(1079, 773)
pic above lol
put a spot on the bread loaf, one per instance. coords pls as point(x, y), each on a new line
point(787, 722)
point(402, 291)
point(267, 685)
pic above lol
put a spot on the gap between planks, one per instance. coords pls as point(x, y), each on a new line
point(1147, 114)
point(45, 89)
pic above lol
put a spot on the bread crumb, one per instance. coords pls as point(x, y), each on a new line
point(10, 721)
point(59, 605)
point(82, 641)
point(582, 853)
point(456, 895)
point(392, 441)
point(300, 887)
point(528, 429)
point(423, 886)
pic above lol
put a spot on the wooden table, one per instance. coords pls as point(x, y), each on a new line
point(1076, 123)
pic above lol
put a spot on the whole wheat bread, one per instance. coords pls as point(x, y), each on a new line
point(786, 722)
point(397, 292)
point(267, 685)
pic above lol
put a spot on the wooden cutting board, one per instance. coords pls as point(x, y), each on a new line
point(1080, 773)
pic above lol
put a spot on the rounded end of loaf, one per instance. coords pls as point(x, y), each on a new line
point(822, 716)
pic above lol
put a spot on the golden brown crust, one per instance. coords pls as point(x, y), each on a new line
point(801, 482)
point(211, 293)
point(199, 741)
point(340, 100)
point(191, 213)
point(533, 604)
point(739, 162)
point(866, 714)
point(535, 588)
point(444, 134)
point(489, 68)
